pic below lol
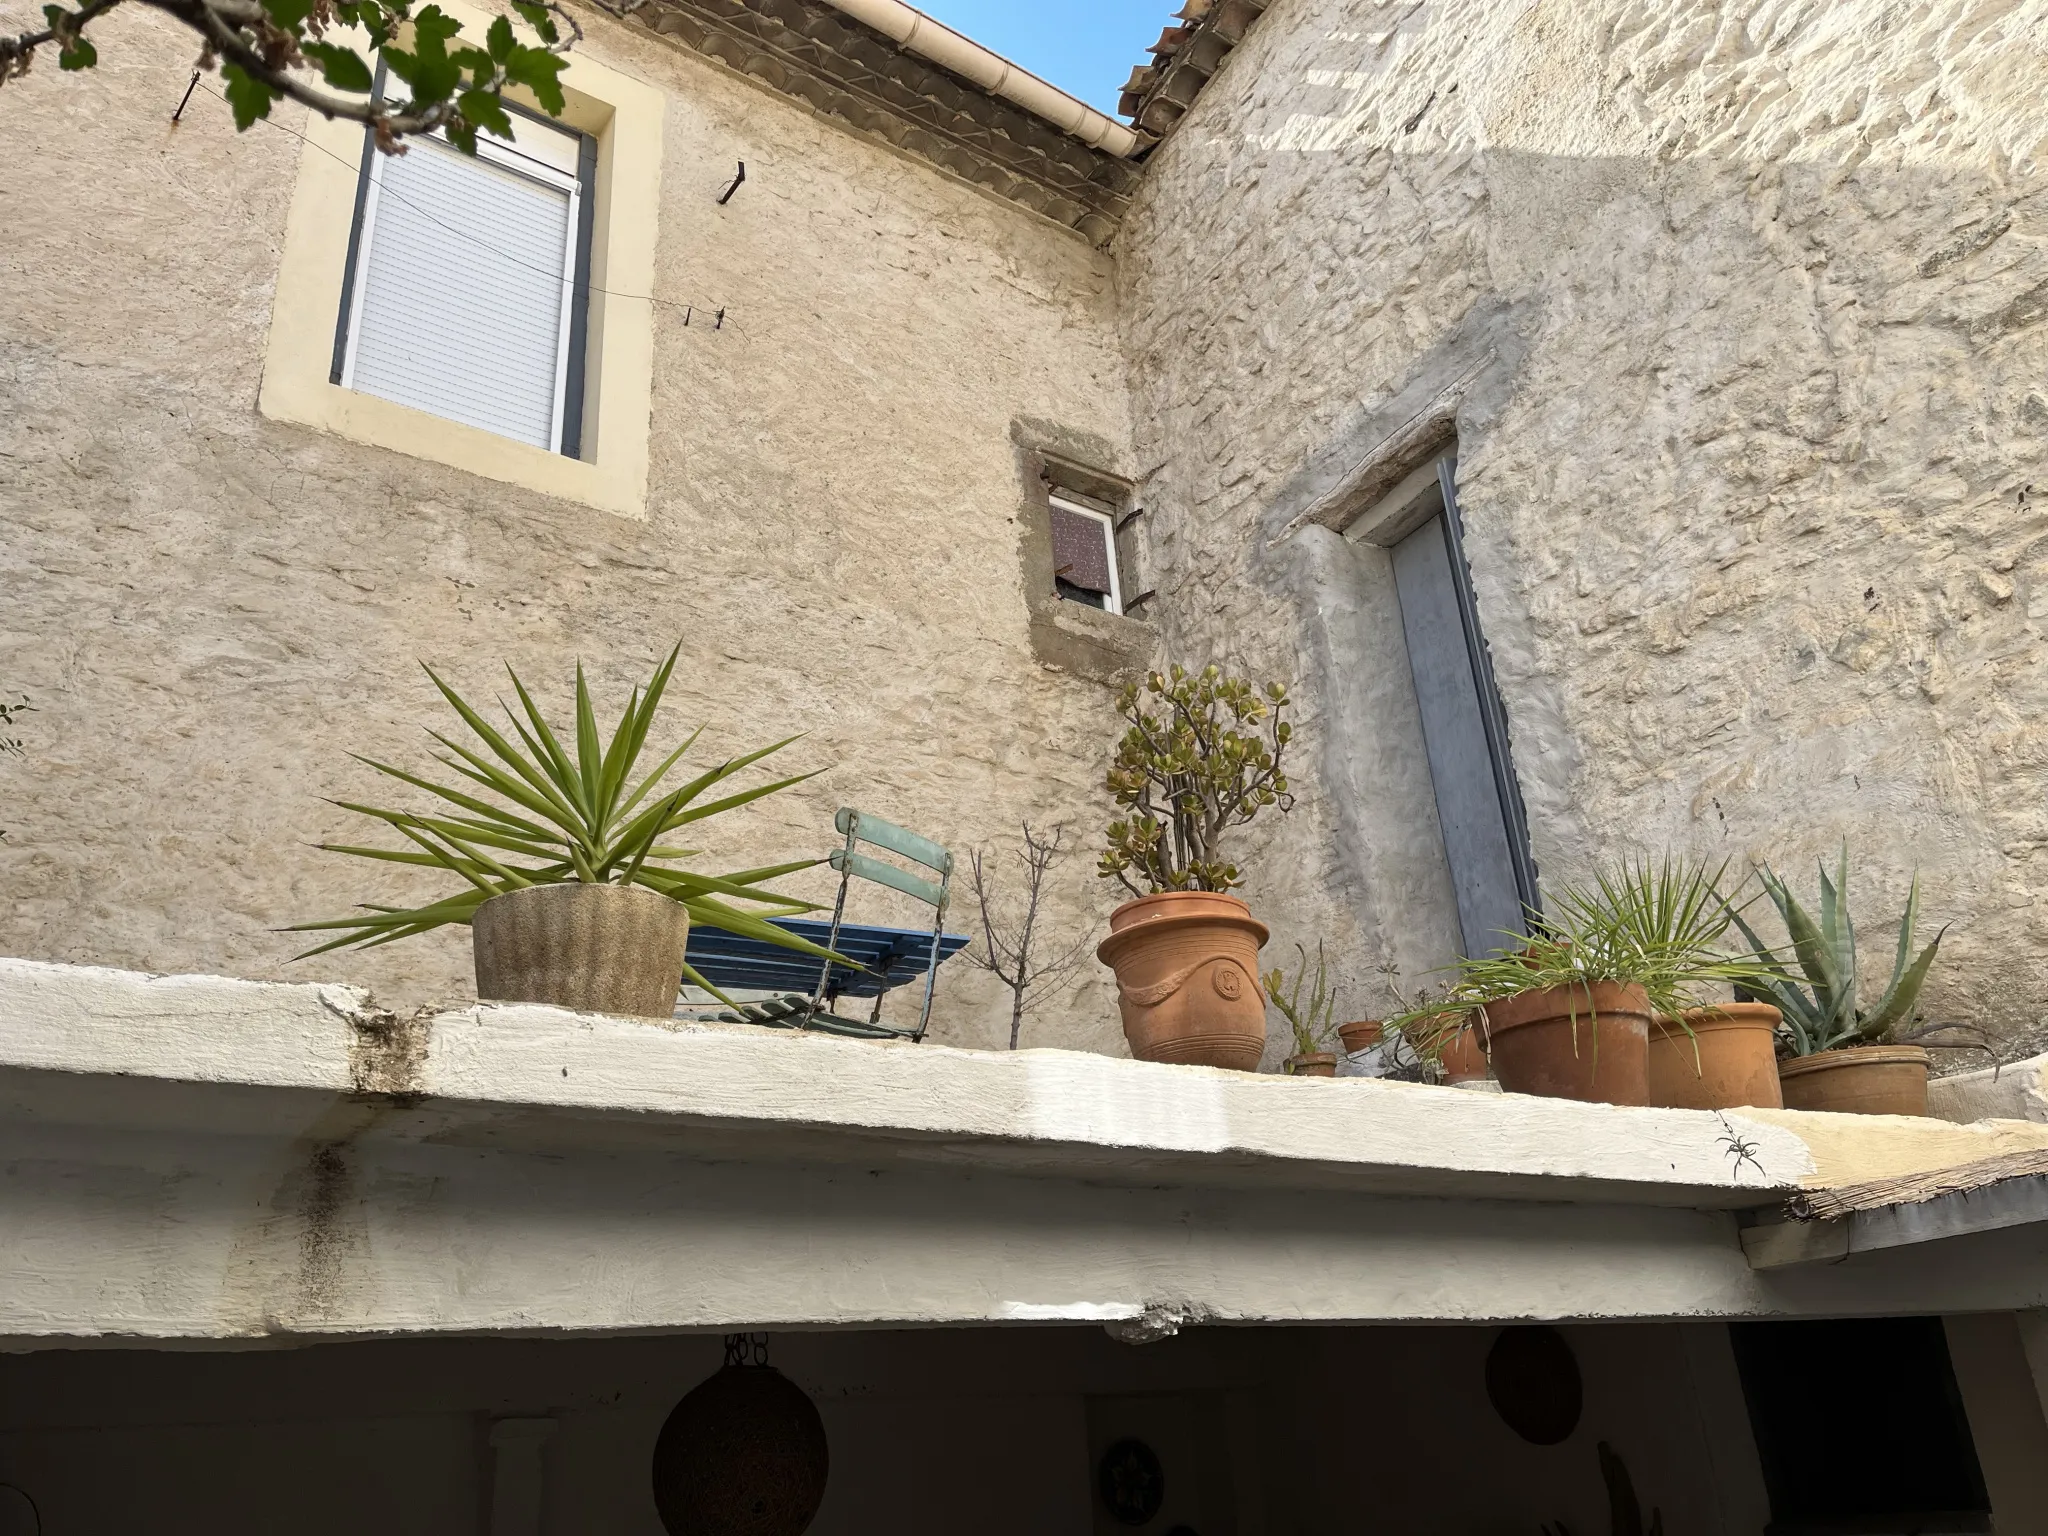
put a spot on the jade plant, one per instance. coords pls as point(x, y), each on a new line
point(1313, 1023)
point(1202, 755)
point(534, 811)
point(1824, 1014)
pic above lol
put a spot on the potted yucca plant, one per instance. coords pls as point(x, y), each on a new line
point(1202, 755)
point(1840, 1055)
point(1568, 1013)
point(571, 889)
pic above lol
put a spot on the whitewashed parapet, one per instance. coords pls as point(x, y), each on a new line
point(2017, 1090)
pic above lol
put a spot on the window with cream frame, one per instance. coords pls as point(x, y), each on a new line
point(467, 291)
point(374, 258)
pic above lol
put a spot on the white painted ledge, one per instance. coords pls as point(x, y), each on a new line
point(533, 1076)
point(2015, 1091)
point(189, 1158)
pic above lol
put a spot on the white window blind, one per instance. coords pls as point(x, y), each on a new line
point(465, 272)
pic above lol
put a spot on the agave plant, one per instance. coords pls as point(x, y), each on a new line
point(534, 813)
point(1824, 1015)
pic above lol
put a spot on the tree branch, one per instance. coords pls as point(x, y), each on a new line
point(17, 51)
point(244, 34)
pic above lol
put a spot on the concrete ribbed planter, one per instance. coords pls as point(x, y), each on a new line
point(593, 948)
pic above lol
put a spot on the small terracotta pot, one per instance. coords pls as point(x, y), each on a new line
point(1361, 1036)
point(1315, 1064)
point(1861, 1080)
point(593, 948)
point(1729, 1061)
point(1602, 1056)
point(1187, 978)
point(1464, 1059)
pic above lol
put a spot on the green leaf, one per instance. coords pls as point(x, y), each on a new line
point(288, 14)
point(1897, 1003)
point(696, 979)
point(79, 53)
point(456, 797)
point(537, 17)
point(540, 72)
point(550, 786)
point(342, 68)
point(589, 755)
point(1815, 955)
point(611, 773)
point(249, 97)
point(715, 914)
point(482, 771)
point(1908, 921)
point(732, 802)
point(433, 27)
point(562, 773)
point(658, 775)
point(500, 41)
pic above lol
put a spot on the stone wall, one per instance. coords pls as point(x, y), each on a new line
point(210, 610)
point(1745, 301)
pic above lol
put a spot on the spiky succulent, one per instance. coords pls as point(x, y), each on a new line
point(535, 812)
point(1824, 1014)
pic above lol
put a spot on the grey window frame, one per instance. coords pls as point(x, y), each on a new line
point(1493, 714)
point(574, 381)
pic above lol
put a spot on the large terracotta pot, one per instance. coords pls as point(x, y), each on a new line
point(1602, 1056)
point(1187, 978)
point(594, 948)
point(1861, 1080)
point(1729, 1061)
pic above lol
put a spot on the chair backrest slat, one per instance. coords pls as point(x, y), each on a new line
point(860, 864)
point(885, 834)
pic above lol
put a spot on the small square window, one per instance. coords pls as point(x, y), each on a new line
point(1084, 564)
point(468, 293)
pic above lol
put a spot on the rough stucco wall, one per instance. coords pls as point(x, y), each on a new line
point(1754, 500)
point(210, 609)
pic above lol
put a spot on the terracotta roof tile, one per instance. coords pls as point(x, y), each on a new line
point(1158, 95)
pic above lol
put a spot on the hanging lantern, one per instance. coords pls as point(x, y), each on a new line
point(743, 1454)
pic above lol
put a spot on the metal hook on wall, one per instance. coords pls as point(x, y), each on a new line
point(726, 196)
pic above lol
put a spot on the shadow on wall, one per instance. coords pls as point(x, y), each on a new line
point(1744, 456)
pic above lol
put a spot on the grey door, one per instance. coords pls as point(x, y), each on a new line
point(1465, 732)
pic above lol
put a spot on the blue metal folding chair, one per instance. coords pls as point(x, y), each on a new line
point(883, 959)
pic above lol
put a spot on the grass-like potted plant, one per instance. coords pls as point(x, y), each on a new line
point(1568, 1013)
point(1311, 1023)
point(1711, 1055)
point(572, 892)
point(1840, 1055)
point(1434, 1034)
point(1202, 755)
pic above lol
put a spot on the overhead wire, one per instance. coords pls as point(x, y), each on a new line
point(720, 316)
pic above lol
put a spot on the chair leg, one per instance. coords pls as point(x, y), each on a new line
point(838, 915)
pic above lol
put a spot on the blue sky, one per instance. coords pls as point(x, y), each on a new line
point(1085, 47)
